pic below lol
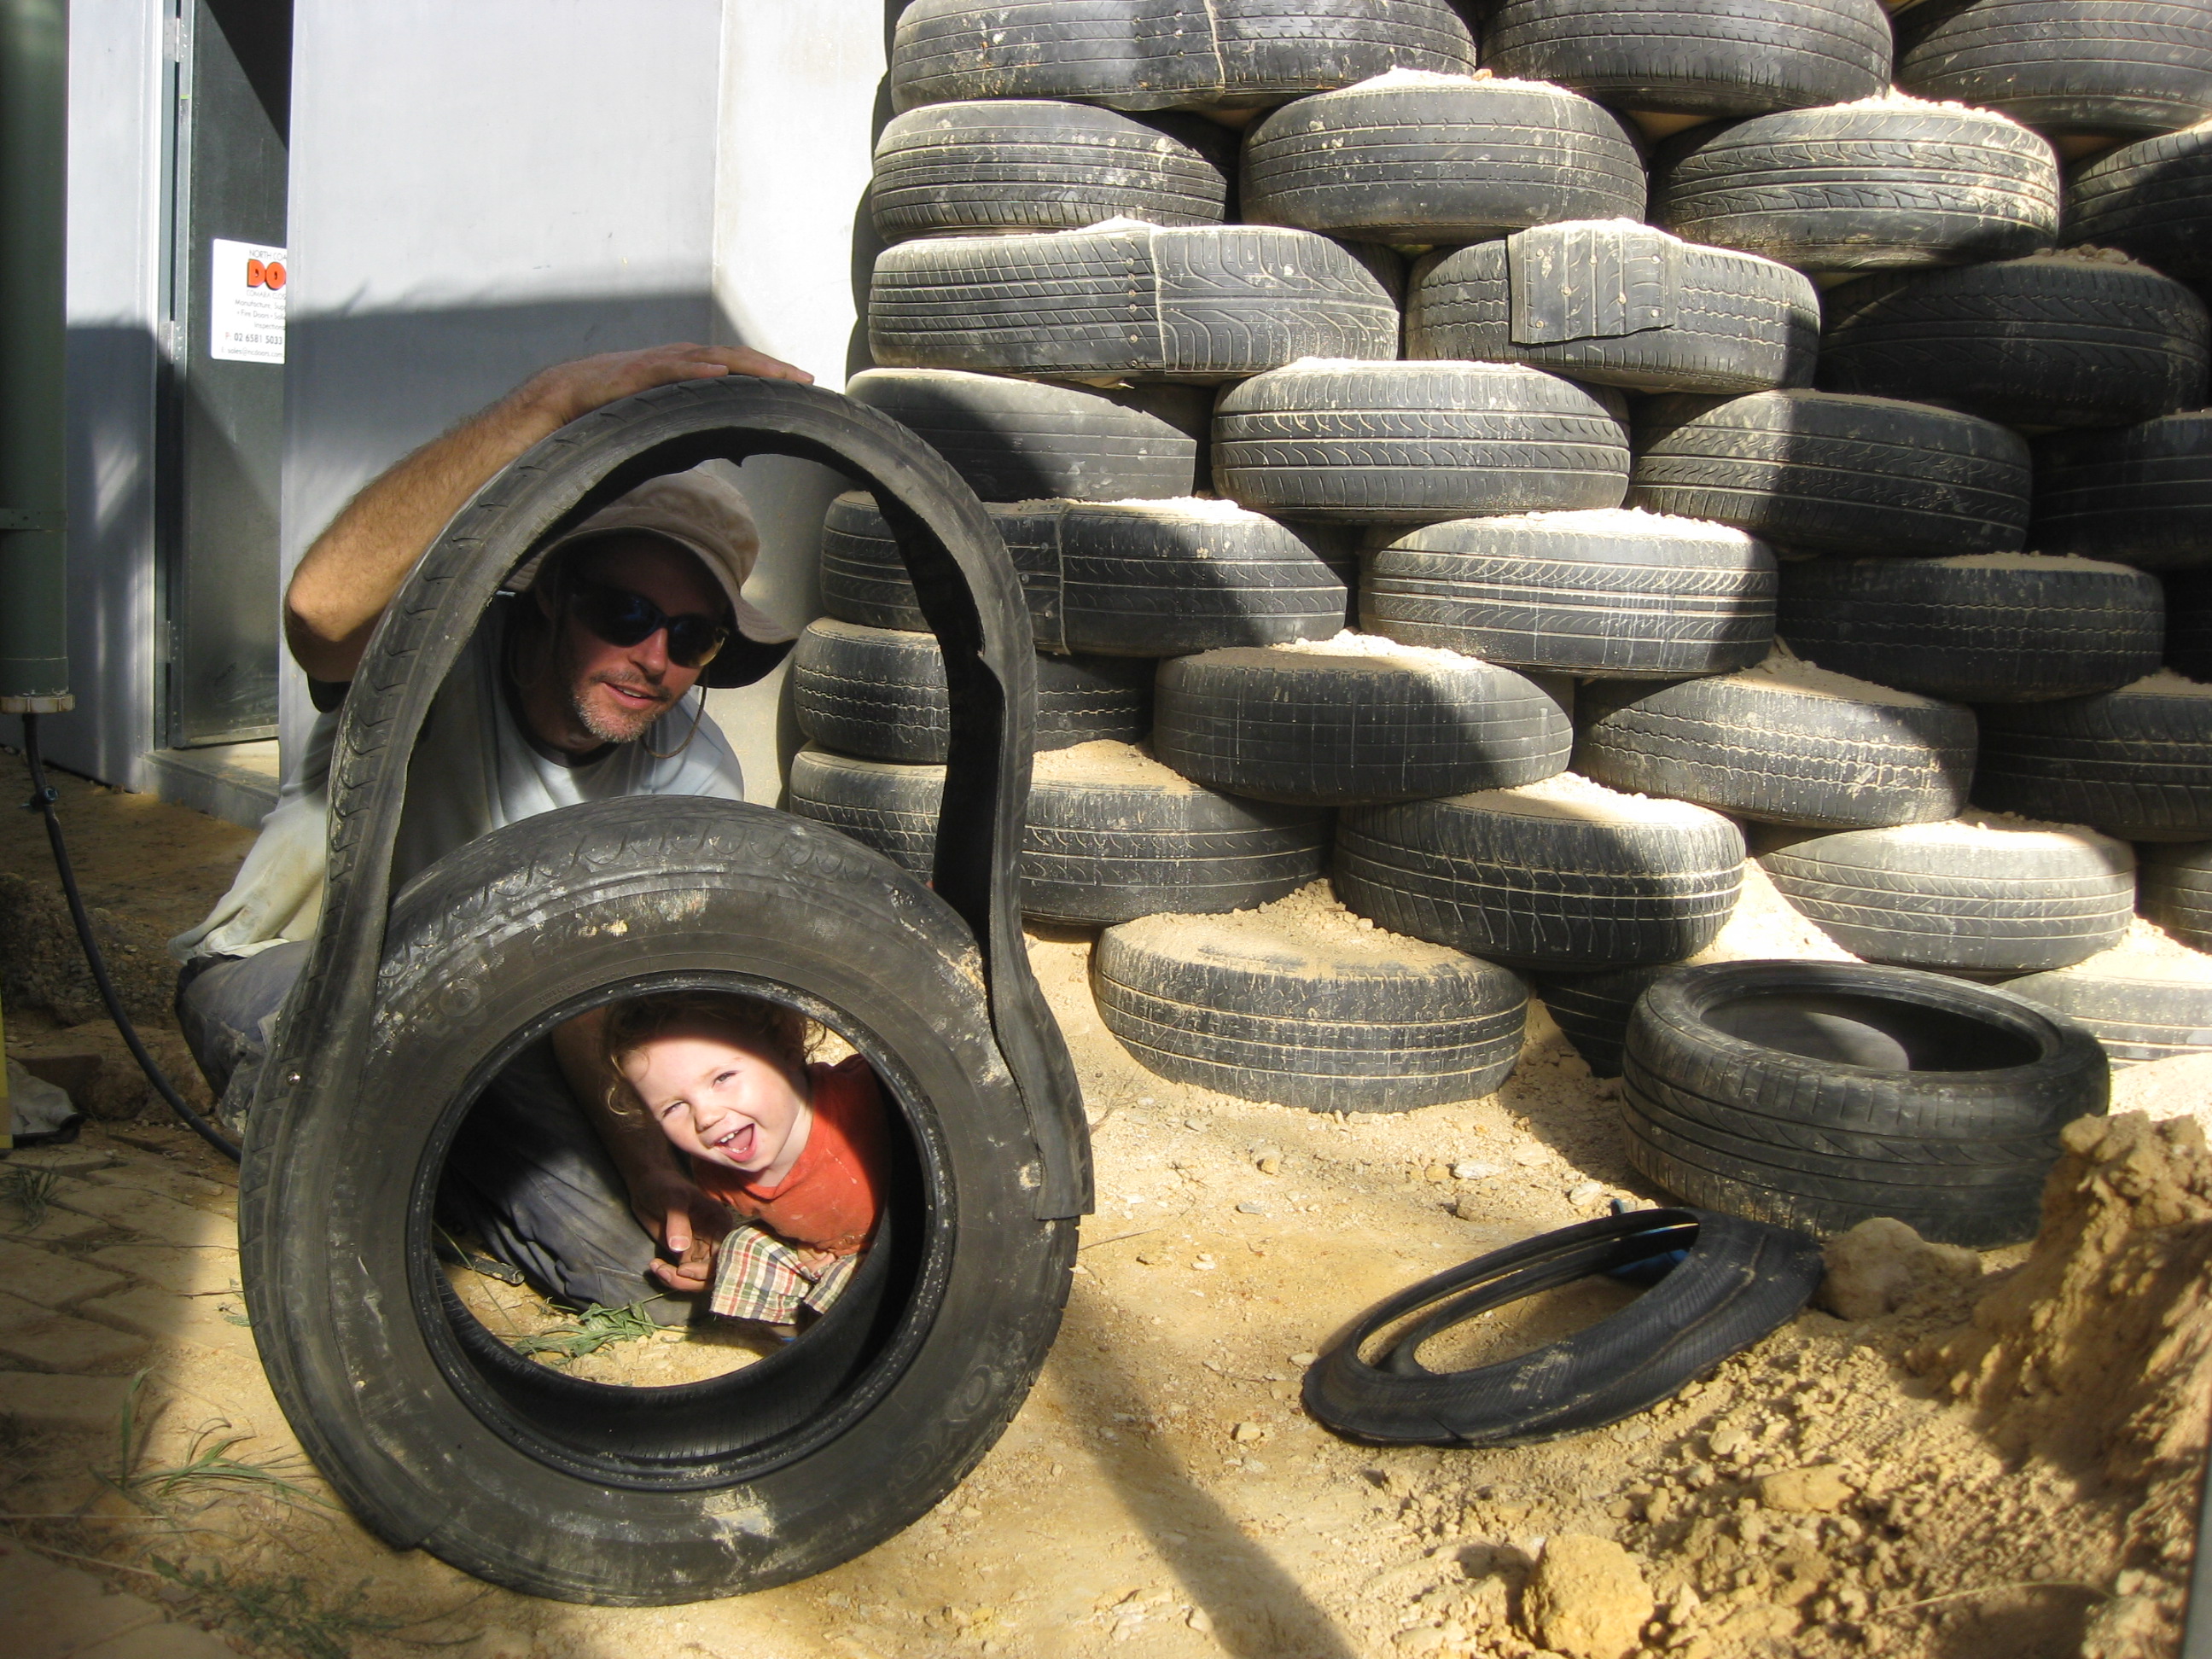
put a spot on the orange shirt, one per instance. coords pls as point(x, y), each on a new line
point(829, 1201)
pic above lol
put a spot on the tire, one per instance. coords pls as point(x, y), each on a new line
point(591, 1493)
point(2138, 1016)
point(2142, 494)
point(1592, 1010)
point(2097, 66)
point(2136, 762)
point(2189, 624)
point(1135, 579)
point(1324, 728)
point(1818, 470)
point(1544, 878)
point(1334, 1020)
point(1617, 304)
point(1215, 302)
point(1963, 896)
point(1164, 54)
point(2174, 890)
point(886, 807)
point(2003, 627)
point(1020, 440)
point(2153, 199)
point(1696, 56)
point(880, 695)
point(1018, 165)
point(1735, 1282)
point(1412, 443)
point(1440, 161)
point(2054, 340)
point(1865, 186)
point(1831, 754)
point(1820, 1095)
point(1612, 595)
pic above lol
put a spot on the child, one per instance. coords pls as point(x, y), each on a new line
point(795, 1150)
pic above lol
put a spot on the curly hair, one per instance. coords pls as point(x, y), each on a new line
point(754, 1022)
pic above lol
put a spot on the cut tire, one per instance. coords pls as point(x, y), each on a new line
point(2174, 890)
point(1617, 304)
point(1321, 728)
point(2153, 199)
point(2142, 494)
point(2136, 762)
point(1417, 442)
point(1820, 1095)
point(1607, 594)
point(1863, 187)
point(1544, 877)
point(2096, 66)
point(1820, 470)
point(2003, 627)
point(1328, 1018)
point(2139, 1015)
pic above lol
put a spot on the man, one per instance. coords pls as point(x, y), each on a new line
point(572, 691)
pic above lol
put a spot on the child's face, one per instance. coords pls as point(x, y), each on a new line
point(720, 1101)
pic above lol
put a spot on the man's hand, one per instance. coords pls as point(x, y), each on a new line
point(568, 391)
point(688, 1226)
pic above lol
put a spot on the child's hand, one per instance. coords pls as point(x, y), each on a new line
point(692, 1270)
point(811, 1260)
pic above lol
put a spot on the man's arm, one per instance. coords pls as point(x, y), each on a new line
point(357, 565)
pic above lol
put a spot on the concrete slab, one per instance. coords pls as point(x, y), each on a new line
point(59, 1227)
point(48, 1611)
point(184, 1272)
point(149, 1176)
point(50, 1279)
point(148, 1213)
point(145, 1310)
point(50, 1341)
point(36, 1401)
point(65, 1160)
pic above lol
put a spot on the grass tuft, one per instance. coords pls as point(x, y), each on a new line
point(30, 1191)
point(592, 1329)
point(281, 1613)
point(208, 1473)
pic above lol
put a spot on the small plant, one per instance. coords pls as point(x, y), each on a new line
point(593, 1330)
point(207, 1473)
point(280, 1613)
point(30, 1191)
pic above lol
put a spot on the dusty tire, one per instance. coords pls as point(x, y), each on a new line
point(1529, 877)
point(1618, 305)
point(1862, 187)
point(2043, 341)
point(1820, 1095)
point(1015, 165)
point(1592, 1010)
point(1841, 754)
point(2009, 628)
point(1416, 442)
point(1320, 728)
point(1820, 470)
point(1215, 302)
point(2174, 890)
point(2139, 1015)
point(2136, 762)
point(2189, 624)
point(1162, 54)
point(1328, 1018)
point(2152, 198)
point(880, 695)
point(1962, 897)
point(2142, 494)
point(1445, 161)
point(2099, 66)
point(1611, 595)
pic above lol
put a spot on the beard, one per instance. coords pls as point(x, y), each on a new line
point(607, 725)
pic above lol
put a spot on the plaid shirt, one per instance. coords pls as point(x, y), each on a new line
point(758, 1276)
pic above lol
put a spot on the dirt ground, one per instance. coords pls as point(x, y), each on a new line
point(1864, 1484)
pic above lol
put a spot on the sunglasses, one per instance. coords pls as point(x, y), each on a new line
point(622, 617)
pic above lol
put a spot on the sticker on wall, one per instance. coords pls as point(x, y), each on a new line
point(245, 308)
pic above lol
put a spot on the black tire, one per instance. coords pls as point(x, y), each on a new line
point(1017, 165)
point(1526, 877)
point(1822, 1094)
point(1696, 56)
point(1415, 442)
point(2142, 494)
point(1862, 187)
point(2189, 623)
point(2174, 890)
point(1592, 1010)
point(1022, 441)
point(1213, 302)
point(880, 694)
point(885, 807)
point(2152, 198)
point(1443, 161)
point(1320, 728)
point(1963, 896)
point(2096, 66)
point(1612, 595)
point(2003, 627)
point(2136, 762)
point(1617, 304)
point(1820, 470)
point(2138, 1016)
point(1837, 754)
point(1258, 1008)
point(1163, 54)
point(1135, 579)
point(1735, 1281)
point(2051, 340)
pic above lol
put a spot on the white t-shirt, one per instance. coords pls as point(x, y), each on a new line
point(474, 770)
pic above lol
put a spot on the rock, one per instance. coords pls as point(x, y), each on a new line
point(1304, 1358)
point(1247, 1207)
point(1245, 1434)
point(1880, 1265)
point(1437, 1172)
point(1586, 1599)
point(1819, 1490)
point(1472, 1170)
point(1269, 1164)
point(1587, 1192)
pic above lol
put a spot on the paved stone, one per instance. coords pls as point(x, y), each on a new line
point(69, 1160)
point(163, 1641)
point(51, 1342)
point(186, 1272)
point(38, 1401)
point(51, 1279)
point(149, 1176)
point(149, 1214)
point(59, 1227)
point(49, 1610)
point(147, 1311)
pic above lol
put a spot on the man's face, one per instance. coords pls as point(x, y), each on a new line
point(614, 692)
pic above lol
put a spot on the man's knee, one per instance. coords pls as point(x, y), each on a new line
point(227, 1010)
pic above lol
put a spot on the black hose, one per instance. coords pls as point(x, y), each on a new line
point(42, 801)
